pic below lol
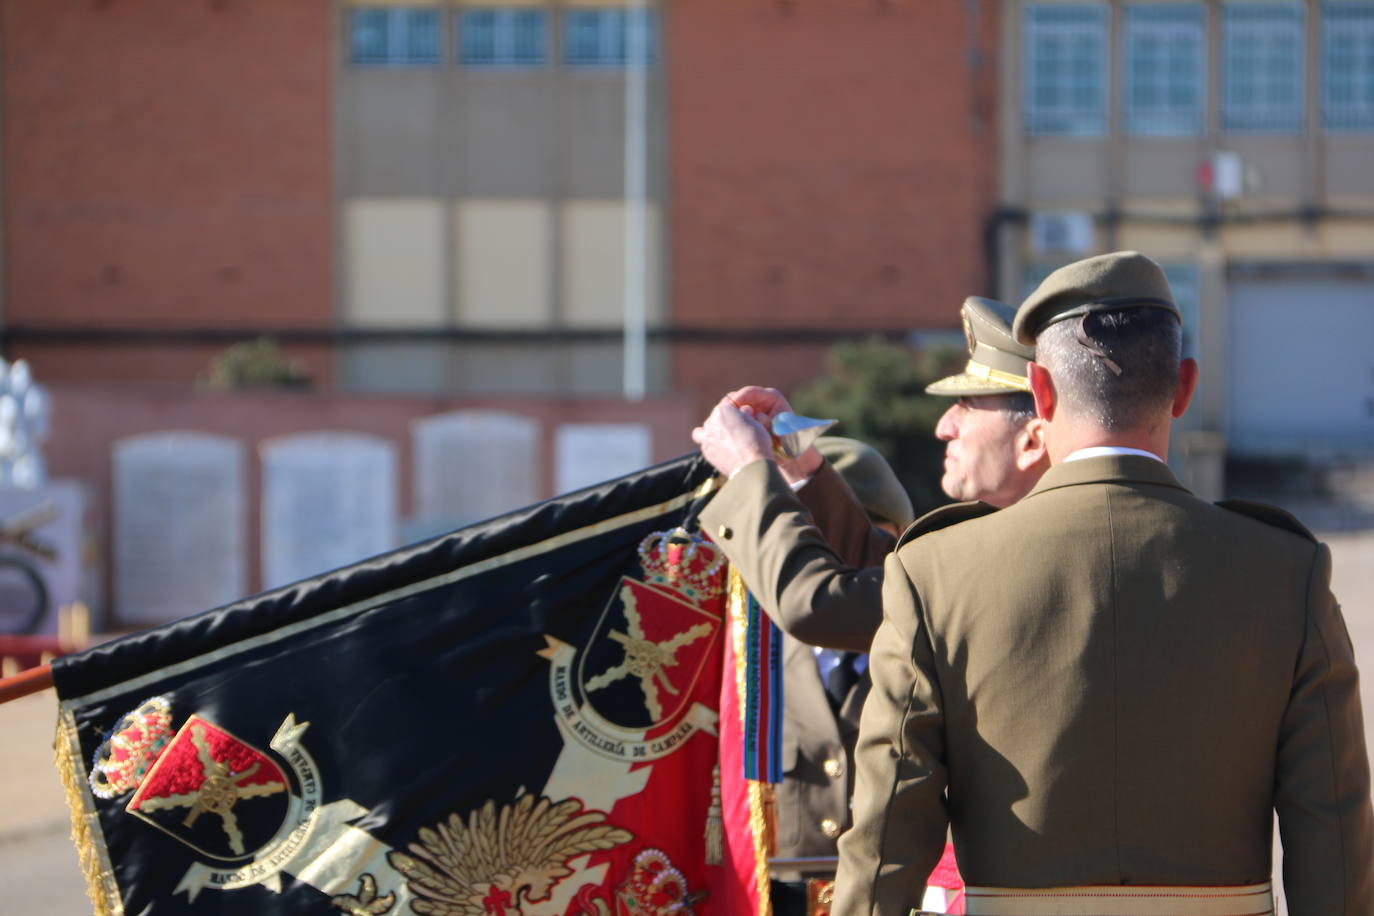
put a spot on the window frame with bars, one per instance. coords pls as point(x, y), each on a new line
point(399, 34)
point(506, 24)
point(1076, 118)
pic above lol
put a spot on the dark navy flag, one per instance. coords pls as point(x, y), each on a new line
point(519, 717)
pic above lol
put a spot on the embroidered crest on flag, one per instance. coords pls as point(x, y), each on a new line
point(630, 692)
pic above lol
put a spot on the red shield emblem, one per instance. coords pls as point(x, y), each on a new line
point(646, 656)
point(217, 794)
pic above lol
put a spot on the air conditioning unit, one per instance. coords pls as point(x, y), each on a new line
point(1063, 232)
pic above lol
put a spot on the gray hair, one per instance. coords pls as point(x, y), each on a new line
point(1016, 407)
point(1144, 343)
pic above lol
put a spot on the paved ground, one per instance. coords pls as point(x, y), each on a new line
point(38, 869)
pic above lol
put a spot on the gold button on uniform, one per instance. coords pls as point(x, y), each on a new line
point(830, 828)
point(725, 532)
point(833, 768)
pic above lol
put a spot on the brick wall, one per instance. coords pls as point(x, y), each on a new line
point(831, 165)
point(166, 163)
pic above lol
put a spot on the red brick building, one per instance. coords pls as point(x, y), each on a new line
point(424, 202)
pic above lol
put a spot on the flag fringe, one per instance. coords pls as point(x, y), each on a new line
point(90, 851)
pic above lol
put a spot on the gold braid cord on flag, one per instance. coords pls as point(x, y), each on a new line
point(738, 611)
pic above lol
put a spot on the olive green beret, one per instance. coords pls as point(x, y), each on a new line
point(870, 477)
point(1106, 283)
point(996, 362)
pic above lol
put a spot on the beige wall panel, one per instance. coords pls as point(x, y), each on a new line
point(393, 262)
point(1287, 241)
point(1165, 168)
point(503, 269)
point(389, 124)
point(1275, 162)
point(504, 133)
point(1350, 164)
point(593, 262)
point(1161, 242)
point(1060, 170)
point(1346, 240)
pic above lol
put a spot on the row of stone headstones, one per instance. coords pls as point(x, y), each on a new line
point(328, 499)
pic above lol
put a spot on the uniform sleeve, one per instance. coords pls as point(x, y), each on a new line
point(842, 520)
point(1322, 777)
point(899, 809)
point(799, 579)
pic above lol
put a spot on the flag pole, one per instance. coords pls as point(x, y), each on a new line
point(32, 680)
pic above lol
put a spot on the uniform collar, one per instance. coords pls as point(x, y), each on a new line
point(1112, 468)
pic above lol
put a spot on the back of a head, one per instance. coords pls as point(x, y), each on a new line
point(870, 477)
point(1107, 330)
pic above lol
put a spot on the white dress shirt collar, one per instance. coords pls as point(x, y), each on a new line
point(1099, 451)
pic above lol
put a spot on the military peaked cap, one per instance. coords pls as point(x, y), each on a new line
point(870, 477)
point(996, 362)
point(1106, 283)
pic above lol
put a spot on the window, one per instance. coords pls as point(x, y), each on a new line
point(395, 37)
point(1162, 87)
point(502, 38)
point(599, 37)
point(1262, 68)
point(1066, 68)
point(1348, 66)
point(1183, 280)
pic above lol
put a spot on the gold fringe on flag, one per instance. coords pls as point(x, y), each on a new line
point(86, 833)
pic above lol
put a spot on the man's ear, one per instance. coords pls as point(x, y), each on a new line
point(1187, 385)
point(1042, 389)
point(1031, 447)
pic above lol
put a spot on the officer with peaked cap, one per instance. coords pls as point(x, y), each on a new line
point(822, 581)
point(1110, 687)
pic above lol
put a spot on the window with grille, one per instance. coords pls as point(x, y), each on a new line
point(1065, 68)
point(395, 37)
point(503, 37)
point(1162, 85)
point(1262, 67)
point(1348, 66)
point(600, 37)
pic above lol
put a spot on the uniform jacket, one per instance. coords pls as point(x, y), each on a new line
point(815, 587)
point(1111, 682)
point(812, 558)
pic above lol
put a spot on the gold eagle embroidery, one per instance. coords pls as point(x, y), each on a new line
point(484, 867)
point(365, 902)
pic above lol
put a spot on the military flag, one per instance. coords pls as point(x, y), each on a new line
point(521, 717)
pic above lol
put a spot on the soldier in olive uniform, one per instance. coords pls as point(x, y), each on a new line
point(794, 531)
point(1108, 688)
point(823, 692)
point(819, 573)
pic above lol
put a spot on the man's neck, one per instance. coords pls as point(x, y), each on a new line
point(1064, 441)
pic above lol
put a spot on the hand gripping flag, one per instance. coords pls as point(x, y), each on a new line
point(520, 717)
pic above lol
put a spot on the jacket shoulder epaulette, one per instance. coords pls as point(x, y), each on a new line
point(943, 517)
point(1270, 515)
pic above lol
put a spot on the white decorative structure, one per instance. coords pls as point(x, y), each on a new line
point(590, 453)
point(24, 423)
point(178, 525)
point(473, 464)
point(328, 500)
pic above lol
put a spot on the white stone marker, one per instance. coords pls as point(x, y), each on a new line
point(328, 500)
point(178, 525)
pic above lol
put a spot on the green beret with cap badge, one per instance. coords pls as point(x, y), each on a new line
point(1105, 283)
point(870, 477)
point(996, 362)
